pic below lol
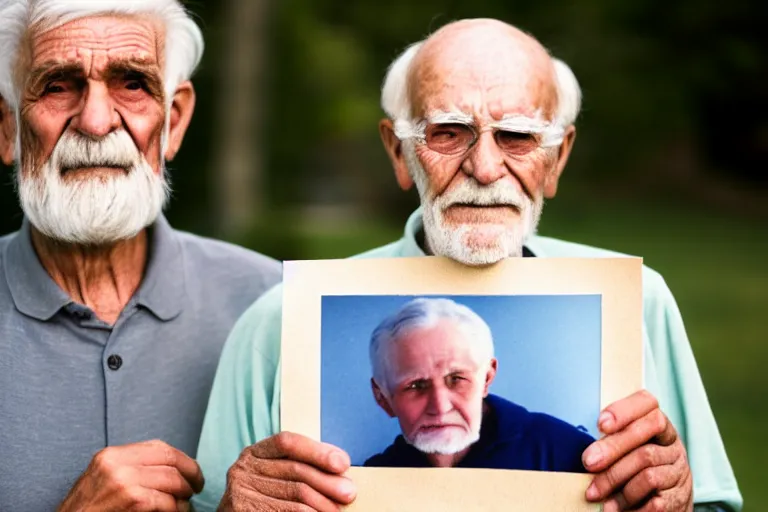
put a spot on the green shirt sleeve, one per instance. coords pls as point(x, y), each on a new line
point(244, 406)
point(671, 374)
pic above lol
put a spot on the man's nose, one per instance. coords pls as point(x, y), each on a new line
point(97, 117)
point(440, 400)
point(485, 161)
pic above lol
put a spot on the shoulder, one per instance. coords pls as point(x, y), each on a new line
point(393, 456)
point(655, 289)
point(5, 240)
point(535, 424)
point(390, 250)
point(228, 263)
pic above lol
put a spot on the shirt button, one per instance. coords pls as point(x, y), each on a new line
point(114, 362)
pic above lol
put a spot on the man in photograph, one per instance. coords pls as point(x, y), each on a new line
point(433, 364)
point(480, 119)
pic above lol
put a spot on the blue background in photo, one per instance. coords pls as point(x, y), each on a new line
point(548, 348)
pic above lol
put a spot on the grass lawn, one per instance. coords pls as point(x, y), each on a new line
point(716, 267)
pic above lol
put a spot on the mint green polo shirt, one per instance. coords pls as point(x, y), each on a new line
point(244, 406)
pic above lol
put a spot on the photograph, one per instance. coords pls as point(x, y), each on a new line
point(455, 388)
point(486, 381)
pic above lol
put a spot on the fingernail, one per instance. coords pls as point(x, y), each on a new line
point(593, 456)
point(347, 488)
point(592, 492)
point(606, 421)
point(337, 461)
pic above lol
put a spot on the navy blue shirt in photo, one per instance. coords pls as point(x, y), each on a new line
point(511, 437)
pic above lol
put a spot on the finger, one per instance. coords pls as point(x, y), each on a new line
point(150, 499)
point(183, 506)
point(287, 445)
point(158, 453)
point(655, 504)
point(613, 478)
point(623, 412)
point(648, 481)
point(605, 452)
point(165, 479)
point(337, 488)
point(296, 492)
point(615, 504)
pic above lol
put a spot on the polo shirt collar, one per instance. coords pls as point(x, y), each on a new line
point(33, 291)
point(163, 288)
point(414, 228)
point(35, 294)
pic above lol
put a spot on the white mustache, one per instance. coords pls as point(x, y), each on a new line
point(496, 194)
point(115, 150)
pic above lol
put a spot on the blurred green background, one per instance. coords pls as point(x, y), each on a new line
point(283, 154)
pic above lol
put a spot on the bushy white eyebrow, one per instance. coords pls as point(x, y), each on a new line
point(552, 134)
point(445, 117)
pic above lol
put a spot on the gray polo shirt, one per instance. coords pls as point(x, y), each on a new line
point(71, 385)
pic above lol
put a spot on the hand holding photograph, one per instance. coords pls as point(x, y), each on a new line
point(456, 389)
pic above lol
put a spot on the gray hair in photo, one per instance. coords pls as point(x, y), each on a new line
point(426, 313)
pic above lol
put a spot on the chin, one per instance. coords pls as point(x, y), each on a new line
point(478, 245)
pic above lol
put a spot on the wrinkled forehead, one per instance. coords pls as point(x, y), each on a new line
point(484, 79)
point(98, 39)
point(430, 351)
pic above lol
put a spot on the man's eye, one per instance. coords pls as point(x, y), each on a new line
point(417, 385)
point(134, 85)
point(54, 88)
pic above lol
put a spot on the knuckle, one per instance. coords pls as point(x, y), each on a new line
point(285, 441)
point(656, 504)
point(651, 479)
point(659, 421)
point(648, 455)
point(300, 492)
point(647, 395)
point(103, 459)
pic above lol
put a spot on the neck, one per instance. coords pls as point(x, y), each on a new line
point(104, 278)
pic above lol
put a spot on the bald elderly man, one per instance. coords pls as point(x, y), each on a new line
point(481, 120)
point(111, 321)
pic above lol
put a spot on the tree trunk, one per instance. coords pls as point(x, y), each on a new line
point(238, 165)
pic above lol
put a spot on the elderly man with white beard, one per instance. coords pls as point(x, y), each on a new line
point(481, 119)
point(433, 365)
point(112, 322)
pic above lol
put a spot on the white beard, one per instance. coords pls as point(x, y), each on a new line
point(445, 443)
point(93, 211)
point(456, 242)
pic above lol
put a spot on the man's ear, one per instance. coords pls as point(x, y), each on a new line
point(550, 185)
point(381, 399)
point(182, 108)
point(7, 132)
point(490, 375)
point(394, 148)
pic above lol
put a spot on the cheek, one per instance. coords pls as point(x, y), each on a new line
point(467, 405)
point(532, 171)
point(440, 169)
point(146, 128)
point(409, 410)
point(40, 131)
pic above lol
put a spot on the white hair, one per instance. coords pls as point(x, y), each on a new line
point(396, 103)
point(425, 313)
point(183, 39)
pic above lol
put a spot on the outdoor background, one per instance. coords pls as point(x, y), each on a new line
point(547, 346)
point(670, 162)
